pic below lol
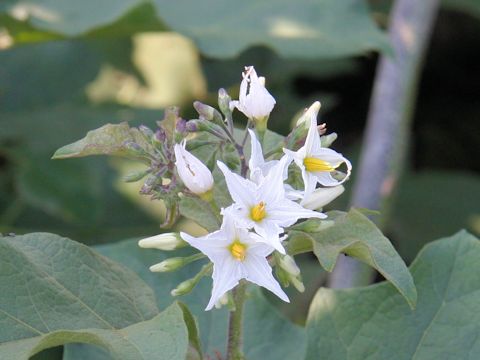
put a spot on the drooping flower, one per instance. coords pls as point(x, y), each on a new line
point(194, 174)
point(236, 254)
point(321, 197)
point(316, 162)
point(264, 206)
point(254, 99)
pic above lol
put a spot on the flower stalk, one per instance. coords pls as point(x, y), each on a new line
point(235, 324)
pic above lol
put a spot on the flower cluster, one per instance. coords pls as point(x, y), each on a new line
point(264, 204)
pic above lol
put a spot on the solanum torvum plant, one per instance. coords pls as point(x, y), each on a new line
point(259, 196)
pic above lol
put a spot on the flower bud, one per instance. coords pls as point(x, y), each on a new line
point(254, 99)
point(321, 197)
point(297, 283)
point(312, 111)
point(168, 265)
point(224, 101)
point(146, 131)
point(184, 287)
point(327, 140)
point(288, 264)
point(166, 242)
point(194, 174)
point(207, 112)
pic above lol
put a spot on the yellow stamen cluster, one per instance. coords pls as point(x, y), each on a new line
point(258, 213)
point(313, 164)
point(238, 250)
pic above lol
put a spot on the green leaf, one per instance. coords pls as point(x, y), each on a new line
point(374, 322)
point(355, 235)
point(423, 208)
point(201, 212)
point(110, 139)
point(55, 291)
point(301, 29)
point(278, 339)
point(471, 7)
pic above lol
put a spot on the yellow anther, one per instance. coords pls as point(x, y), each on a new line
point(313, 164)
point(258, 213)
point(238, 250)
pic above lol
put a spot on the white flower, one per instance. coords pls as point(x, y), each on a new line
point(194, 174)
point(264, 206)
point(317, 163)
point(254, 100)
point(322, 196)
point(236, 254)
point(166, 242)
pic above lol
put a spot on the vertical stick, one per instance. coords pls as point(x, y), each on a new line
point(386, 137)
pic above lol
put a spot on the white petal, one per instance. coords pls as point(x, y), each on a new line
point(269, 232)
point(309, 181)
point(214, 245)
point(226, 275)
point(288, 212)
point(271, 188)
point(256, 154)
point(194, 174)
point(312, 142)
point(241, 190)
point(260, 273)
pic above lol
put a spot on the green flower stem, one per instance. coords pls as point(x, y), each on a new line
point(235, 324)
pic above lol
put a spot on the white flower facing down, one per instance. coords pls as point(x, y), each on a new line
point(254, 99)
point(236, 254)
point(317, 163)
point(194, 174)
point(264, 206)
point(322, 196)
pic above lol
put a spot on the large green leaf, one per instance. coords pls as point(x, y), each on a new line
point(305, 29)
point(354, 234)
point(374, 322)
point(300, 29)
point(274, 338)
point(431, 204)
point(55, 291)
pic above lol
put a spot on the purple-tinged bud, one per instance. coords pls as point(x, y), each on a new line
point(191, 126)
point(181, 126)
point(224, 102)
point(147, 132)
point(160, 135)
point(207, 112)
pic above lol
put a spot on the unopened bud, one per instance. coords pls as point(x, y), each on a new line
point(184, 287)
point(194, 174)
point(224, 102)
point(321, 197)
point(327, 140)
point(168, 265)
point(297, 283)
point(181, 126)
point(203, 125)
point(160, 135)
point(312, 111)
point(166, 242)
point(207, 112)
point(134, 149)
point(288, 264)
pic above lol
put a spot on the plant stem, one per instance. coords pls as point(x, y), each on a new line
point(385, 140)
point(235, 324)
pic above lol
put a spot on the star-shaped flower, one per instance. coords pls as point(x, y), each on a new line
point(236, 254)
point(316, 162)
point(264, 206)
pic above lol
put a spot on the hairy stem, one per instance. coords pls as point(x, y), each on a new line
point(385, 140)
point(235, 324)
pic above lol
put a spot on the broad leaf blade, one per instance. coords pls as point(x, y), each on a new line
point(55, 291)
point(374, 322)
point(276, 338)
point(110, 139)
point(354, 234)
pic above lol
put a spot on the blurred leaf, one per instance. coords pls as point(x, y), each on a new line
point(304, 29)
point(44, 74)
point(355, 235)
point(374, 322)
point(432, 204)
point(110, 139)
point(55, 291)
point(288, 341)
point(328, 29)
